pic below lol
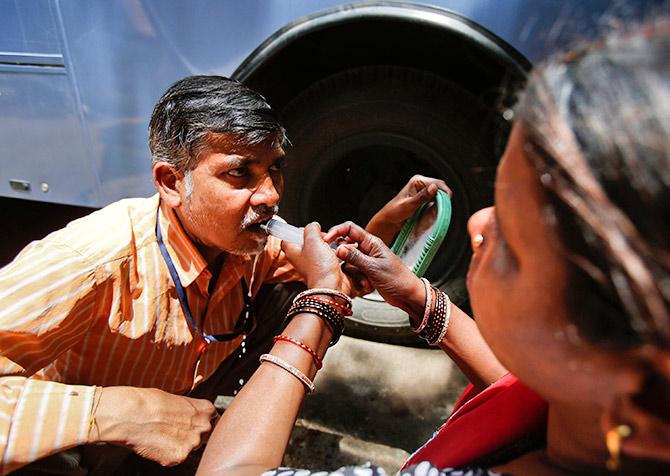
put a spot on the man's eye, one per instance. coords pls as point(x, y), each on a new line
point(239, 172)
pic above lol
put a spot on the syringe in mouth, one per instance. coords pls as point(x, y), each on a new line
point(283, 231)
point(286, 232)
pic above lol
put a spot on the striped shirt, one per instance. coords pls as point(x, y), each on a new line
point(93, 304)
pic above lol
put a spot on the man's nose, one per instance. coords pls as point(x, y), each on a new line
point(266, 193)
point(477, 224)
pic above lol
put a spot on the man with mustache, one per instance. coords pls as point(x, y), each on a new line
point(107, 324)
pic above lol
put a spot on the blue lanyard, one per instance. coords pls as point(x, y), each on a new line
point(245, 320)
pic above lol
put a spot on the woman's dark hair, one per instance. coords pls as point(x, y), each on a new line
point(197, 106)
point(597, 128)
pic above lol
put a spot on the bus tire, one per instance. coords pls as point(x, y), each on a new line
point(359, 135)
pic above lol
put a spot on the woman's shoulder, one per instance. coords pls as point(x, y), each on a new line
point(421, 469)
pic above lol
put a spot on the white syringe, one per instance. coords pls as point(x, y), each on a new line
point(284, 231)
point(288, 233)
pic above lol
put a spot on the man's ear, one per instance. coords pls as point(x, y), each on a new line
point(167, 181)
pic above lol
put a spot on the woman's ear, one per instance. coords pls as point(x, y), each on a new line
point(646, 412)
point(166, 179)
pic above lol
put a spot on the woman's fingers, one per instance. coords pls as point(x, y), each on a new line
point(425, 183)
point(315, 260)
point(355, 235)
point(357, 278)
point(425, 194)
point(338, 231)
point(350, 254)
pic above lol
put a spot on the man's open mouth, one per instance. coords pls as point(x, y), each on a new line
point(255, 227)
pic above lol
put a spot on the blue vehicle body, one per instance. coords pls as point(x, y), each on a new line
point(78, 79)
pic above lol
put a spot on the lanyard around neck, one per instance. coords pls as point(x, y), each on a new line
point(244, 321)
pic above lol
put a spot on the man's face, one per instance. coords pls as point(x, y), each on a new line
point(228, 194)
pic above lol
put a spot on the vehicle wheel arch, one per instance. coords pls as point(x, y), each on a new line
point(400, 34)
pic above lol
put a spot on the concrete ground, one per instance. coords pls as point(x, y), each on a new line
point(374, 402)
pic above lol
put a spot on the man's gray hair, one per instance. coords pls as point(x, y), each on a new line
point(200, 106)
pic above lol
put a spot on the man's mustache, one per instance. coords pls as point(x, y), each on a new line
point(258, 213)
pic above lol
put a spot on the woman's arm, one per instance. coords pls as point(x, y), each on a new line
point(253, 432)
point(401, 288)
point(467, 348)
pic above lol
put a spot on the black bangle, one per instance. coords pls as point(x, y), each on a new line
point(329, 314)
point(436, 320)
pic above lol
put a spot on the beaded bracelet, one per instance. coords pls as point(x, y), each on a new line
point(305, 347)
point(437, 319)
point(326, 308)
point(323, 312)
point(427, 307)
point(440, 317)
point(326, 291)
point(445, 326)
point(344, 309)
point(330, 316)
point(440, 320)
point(273, 359)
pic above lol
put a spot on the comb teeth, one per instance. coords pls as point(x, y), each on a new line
point(433, 240)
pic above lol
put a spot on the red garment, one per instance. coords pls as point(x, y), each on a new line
point(484, 422)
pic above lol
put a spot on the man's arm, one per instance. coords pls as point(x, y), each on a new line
point(39, 418)
point(48, 300)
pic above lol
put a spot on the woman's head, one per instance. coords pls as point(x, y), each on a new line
point(573, 277)
point(597, 129)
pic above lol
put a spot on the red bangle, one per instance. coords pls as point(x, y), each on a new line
point(345, 309)
point(304, 347)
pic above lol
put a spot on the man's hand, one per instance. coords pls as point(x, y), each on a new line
point(155, 424)
point(388, 221)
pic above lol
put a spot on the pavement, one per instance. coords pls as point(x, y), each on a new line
point(374, 402)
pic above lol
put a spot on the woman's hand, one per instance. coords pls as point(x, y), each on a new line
point(385, 272)
point(388, 221)
point(401, 288)
point(316, 261)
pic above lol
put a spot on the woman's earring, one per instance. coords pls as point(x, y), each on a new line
point(477, 240)
point(613, 442)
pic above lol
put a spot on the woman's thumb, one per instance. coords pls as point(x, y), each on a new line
point(352, 255)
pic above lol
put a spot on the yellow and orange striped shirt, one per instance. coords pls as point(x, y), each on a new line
point(93, 304)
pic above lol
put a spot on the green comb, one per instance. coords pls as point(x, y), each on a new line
point(433, 240)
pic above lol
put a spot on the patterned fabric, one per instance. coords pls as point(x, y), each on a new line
point(421, 469)
point(93, 304)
